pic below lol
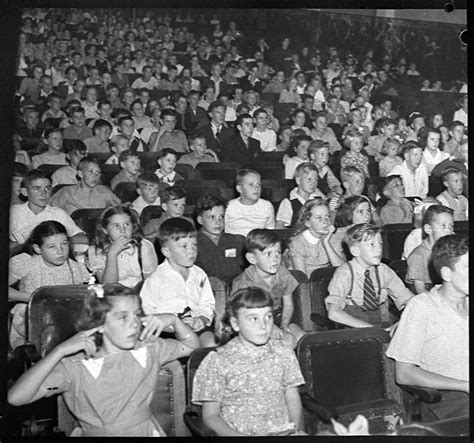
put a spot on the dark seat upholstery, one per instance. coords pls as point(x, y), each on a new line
point(185, 170)
point(393, 238)
point(48, 170)
point(149, 213)
point(196, 188)
point(87, 219)
point(225, 171)
point(126, 191)
point(301, 302)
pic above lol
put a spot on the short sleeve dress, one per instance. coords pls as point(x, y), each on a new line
point(250, 383)
point(111, 396)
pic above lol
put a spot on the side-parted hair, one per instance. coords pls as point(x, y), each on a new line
point(175, 229)
point(361, 232)
point(34, 174)
point(147, 178)
point(316, 145)
point(409, 146)
point(239, 178)
point(86, 161)
point(432, 212)
point(344, 215)
point(387, 143)
point(305, 168)
point(125, 155)
point(208, 201)
point(42, 231)
point(172, 193)
point(449, 170)
point(71, 146)
point(447, 250)
point(260, 239)
point(349, 171)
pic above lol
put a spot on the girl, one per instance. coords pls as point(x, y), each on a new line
point(47, 263)
point(299, 121)
point(285, 136)
point(390, 150)
point(108, 371)
point(119, 253)
point(430, 139)
point(207, 97)
point(138, 114)
point(355, 122)
point(249, 385)
point(310, 248)
point(53, 140)
point(354, 157)
point(436, 120)
point(296, 154)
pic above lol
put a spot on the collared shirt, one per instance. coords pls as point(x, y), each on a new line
point(285, 210)
point(139, 204)
point(79, 196)
point(340, 285)
point(67, 175)
point(415, 184)
point(430, 161)
point(267, 139)
point(459, 205)
point(23, 220)
point(167, 291)
point(418, 264)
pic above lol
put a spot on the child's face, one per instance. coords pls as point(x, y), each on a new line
point(444, 133)
point(55, 103)
point(459, 275)
point(175, 207)
point(394, 189)
point(123, 325)
point(182, 252)
point(455, 183)
point(254, 325)
point(389, 131)
point(75, 157)
point(78, 119)
point(433, 140)
point(54, 250)
point(103, 133)
point(127, 127)
point(149, 191)
point(362, 213)
point(262, 120)
point(319, 220)
point(167, 163)
point(267, 261)
point(199, 146)
point(251, 188)
point(321, 123)
point(300, 119)
point(246, 128)
point(440, 226)
point(16, 185)
point(356, 145)
point(321, 157)
point(458, 133)
point(38, 192)
point(131, 165)
point(369, 250)
point(413, 157)
point(55, 141)
point(392, 150)
point(308, 182)
point(122, 145)
point(286, 135)
point(302, 150)
point(119, 226)
point(355, 184)
point(212, 220)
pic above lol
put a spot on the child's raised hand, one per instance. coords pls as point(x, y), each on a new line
point(327, 232)
point(155, 324)
point(277, 333)
point(198, 323)
point(82, 341)
point(119, 245)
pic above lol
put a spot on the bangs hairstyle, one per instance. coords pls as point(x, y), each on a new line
point(349, 171)
point(409, 146)
point(350, 135)
point(247, 298)
point(447, 251)
point(44, 230)
point(361, 232)
point(125, 155)
point(165, 151)
point(304, 214)
point(147, 178)
point(260, 239)
point(295, 142)
point(432, 212)
point(449, 170)
point(344, 215)
point(101, 239)
point(86, 161)
point(208, 201)
point(387, 143)
point(423, 134)
point(305, 168)
point(239, 178)
point(316, 145)
point(175, 229)
point(31, 176)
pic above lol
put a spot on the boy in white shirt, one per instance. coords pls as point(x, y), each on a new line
point(267, 137)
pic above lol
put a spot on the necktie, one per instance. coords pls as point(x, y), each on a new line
point(370, 297)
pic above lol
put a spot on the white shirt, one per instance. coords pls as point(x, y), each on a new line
point(241, 219)
point(415, 184)
point(267, 139)
point(139, 204)
point(430, 161)
point(285, 210)
point(290, 166)
point(166, 291)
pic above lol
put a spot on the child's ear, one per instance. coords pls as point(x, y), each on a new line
point(445, 273)
point(24, 191)
point(250, 257)
point(164, 206)
point(239, 189)
point(235, 324)
point(199, 219)
point(165, 251)
point(121, 165)
point(37, 249)
point(297, 180)
point(79, 174)
point(427, 229)
point(345, 184)
point(139, 191)
point(354, 250)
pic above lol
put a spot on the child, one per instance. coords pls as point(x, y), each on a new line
point(285, 136)
point(249, 211)
point(387, 130)
point(249, 386)
point(53, 140)
point(148, 190)
point(110, 390)
point(310, 246)
point(219, 253)
point(431, 344)
point(354, 157)
point(353, 180)
point(452, 197)
point(296, 154)
point(328, 184)
point(100, 140)
point(119, 253)
point(78, 128)
point(177, 285)
point(19, 172)
point(67, 175)
point(306, 177)
point(167, 158)
point(390, 150)
point(267, 137)
point(54, 107)
point(88, 193)
point(131, 168)
point(456, 131)
point(199, 154)
point(437, 222)
point(359, 289)
point(413, 173)
point(429, 139)
point(397, 209)
point(118, 144)
point(47, 263)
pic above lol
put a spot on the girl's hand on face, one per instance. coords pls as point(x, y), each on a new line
point(120, 245)
point(277, 333)
point(82, 341)
point(327, 232)
point(155, 324)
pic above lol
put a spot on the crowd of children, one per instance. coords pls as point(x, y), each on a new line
point(111, 92)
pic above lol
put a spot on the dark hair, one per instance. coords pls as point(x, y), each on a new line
point(208, 201)
point(87, 161)
point(449, 170)
point(147, 178)
point(384, 181)
point(42, 231)
point(344, 215)
point(361, 232)
point(168, 112)
point(241, 117)
point(172, 193)
point(175, 228)
point(34, 174)
point(447, 250)
point(19, 169)
point(165, 151)
point(409, 146)
point(259, 111)
point(101, 123)
point(432, 212)
point(124, 118)
point(456, 123)
point(295, 142)
point(260, 239)
point(74, 145)
point(423, 133)
point(51, 130)
point(215, 104)
point(125, 155)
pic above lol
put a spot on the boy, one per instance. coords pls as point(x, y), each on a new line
point(437, 222)
point(306, 177)
point(167, 158)
point(328, 184)
point(456, 131)
point(67, 175)
point(452, 197)
point(431, 344)
point(387, 130)
point(19, 172)
point(200, 153)
point(353, 180)
point(126, 127)
point(219, 254)
point(179, 286)
point(248, 211)
point(36, 187)
point(414, 175)
point(359, 289)
point(167, 136)
point(398, 209)
point(78, 129)
point(118, 144)
point(267, 272)
point(131, 168)
point(99, 142)
point(148, 190)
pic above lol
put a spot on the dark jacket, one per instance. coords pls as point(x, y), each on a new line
point(211, 141)
point(235, 150)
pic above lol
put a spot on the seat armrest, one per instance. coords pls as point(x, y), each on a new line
point(322, 323)
point(427, 395)
point(196, 425)
point(324, 413)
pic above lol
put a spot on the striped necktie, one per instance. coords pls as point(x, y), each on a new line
point(371, 301)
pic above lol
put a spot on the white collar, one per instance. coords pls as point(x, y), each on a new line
point(310, 238)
